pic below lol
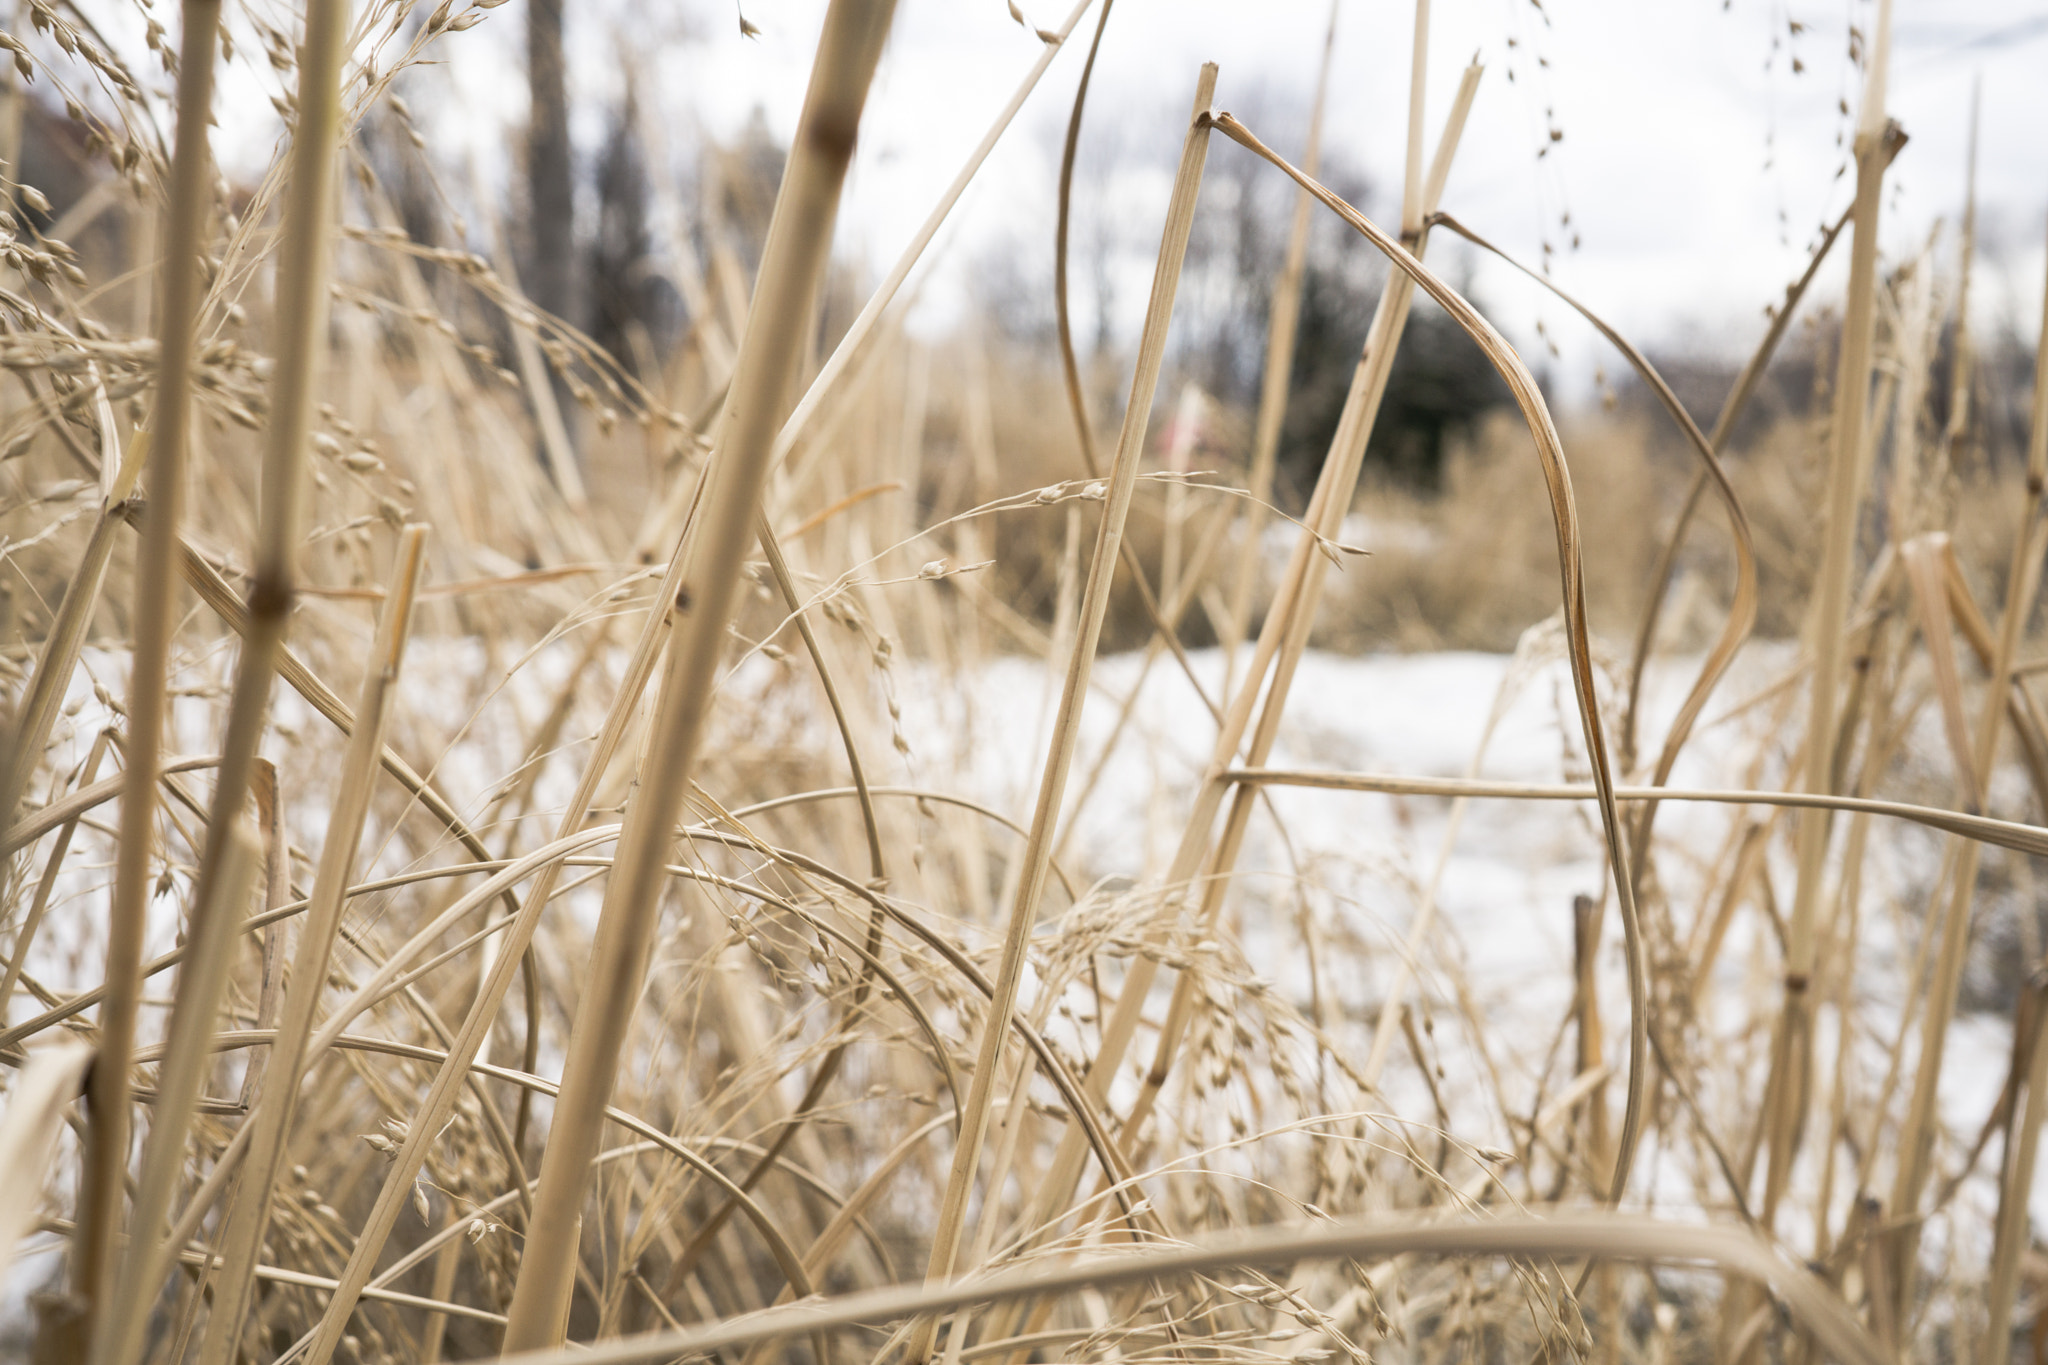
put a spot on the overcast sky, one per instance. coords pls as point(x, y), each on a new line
point(1695, 163)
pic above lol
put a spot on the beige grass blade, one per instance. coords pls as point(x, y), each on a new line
point(2021, 838)
point(1550, 454)
point(1280, 646)
point(1600, 1235)
point(29, 1131)
point(117, 1336)
point(249, 1213)
point(1742, 605)
point(184, 236)
point(792, 269)
point(1788, 1089)
point(1180, 216)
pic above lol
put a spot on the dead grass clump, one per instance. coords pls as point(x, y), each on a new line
point(905, 973)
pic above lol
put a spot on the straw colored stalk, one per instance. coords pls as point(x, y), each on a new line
point(1791, 1062)
point(2022, 1147)
point(828, 1066)
point(1731, 409)
point(848, 349)
point(1334, 487)
point(249, 1212)
point(1282, 331)
point(515, 947)
point(302, 300)
point(117, 1336)
point(792, 269)
point(1602, 1235)
point(1564, 512)
point(209, 952)
point(2021, 838)
point(1180, 217)
point(1293, 617)
point(106, 1147)
point(61, 647)
point(1742, 603)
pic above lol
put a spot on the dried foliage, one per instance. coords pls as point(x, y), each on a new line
point(394, 971)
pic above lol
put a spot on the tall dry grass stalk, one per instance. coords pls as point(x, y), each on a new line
point(1793, 1049)
point(1282, 331)
point(1024, 909)
point(218, 901)
point(70, 1326)
point(861, 1060)
point(792, 268)
point(2023, 1138)
point(249, 1209)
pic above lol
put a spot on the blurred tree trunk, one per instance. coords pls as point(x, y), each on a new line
point(551, 282)
point(551, 208)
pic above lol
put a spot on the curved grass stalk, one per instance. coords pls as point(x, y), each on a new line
point(1557, 479)
point(1601, 1235)
point(1277, 637)
point(2021, 838)
point(1285, 636)
point(1731, 410)
point(1741, 609)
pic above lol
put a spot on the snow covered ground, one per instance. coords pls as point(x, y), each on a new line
point(1503, 935)
point(1505, 872)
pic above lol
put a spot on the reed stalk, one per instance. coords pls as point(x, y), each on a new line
point(2023, 1141)
point(1787, 1092)
point(1602, 1235)
point(792, 269)
point(1283, 329)
point(248, 1215)
point(515, 945)
point(302, 296)
point(1294, 610)
point(107, 1136)
point(1180, 217)
point(187, 1055)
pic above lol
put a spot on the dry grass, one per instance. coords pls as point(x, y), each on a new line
point(522, 1003)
